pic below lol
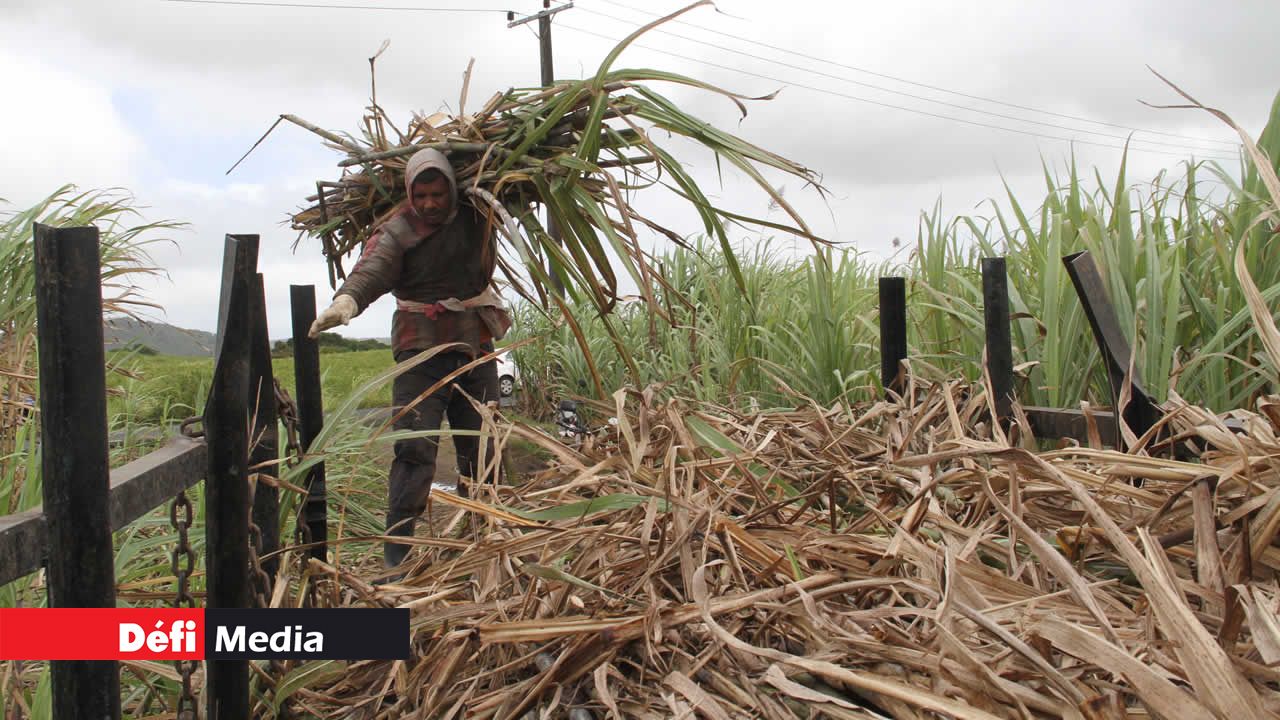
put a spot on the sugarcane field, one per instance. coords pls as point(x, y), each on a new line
point(348, 372)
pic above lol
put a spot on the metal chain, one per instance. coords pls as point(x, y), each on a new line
point(261, 581)
point(262, 588)
point(301, 530)
point(181, 517)
point(189, 429)
point(287, 411)
point(302, 536)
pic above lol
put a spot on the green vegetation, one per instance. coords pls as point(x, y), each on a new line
point(1166, 248)
point(149, 388)
point(342, 374)
point(124, 239)
point(330, 342)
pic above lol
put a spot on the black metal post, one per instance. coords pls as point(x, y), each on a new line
point(995, 314)
point(266, 449)
point(226, 419)
point(893, 333)
point(74, 466)
point(306, 375)
point(1141, 412)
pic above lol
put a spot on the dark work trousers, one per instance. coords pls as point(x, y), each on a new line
point(415, 462)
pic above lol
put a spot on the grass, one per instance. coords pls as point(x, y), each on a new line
point(154, 387)
point(1166, 249)
point(124, 240)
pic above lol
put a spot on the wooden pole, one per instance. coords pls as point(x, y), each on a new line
point(226, 418)
point(306, 375)
point(893, 333)
point(548, 76)
point(995, 313)
point(545, 58)
point(546, 64)
point(74, 468)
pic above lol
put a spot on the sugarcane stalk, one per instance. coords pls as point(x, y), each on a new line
point(332, 190)
point(627, 161)
point(331, 137)
point(577, 120)
point(582, 103)
point(411, 149)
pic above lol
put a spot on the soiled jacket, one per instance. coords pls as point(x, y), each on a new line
point(440, 275)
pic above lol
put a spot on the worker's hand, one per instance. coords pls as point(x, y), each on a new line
point(339, 313)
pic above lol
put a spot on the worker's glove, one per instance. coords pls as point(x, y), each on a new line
point(339, 313)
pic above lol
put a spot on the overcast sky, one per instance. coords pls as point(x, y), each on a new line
point(161, 98)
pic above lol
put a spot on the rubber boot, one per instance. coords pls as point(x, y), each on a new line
point(393, 554)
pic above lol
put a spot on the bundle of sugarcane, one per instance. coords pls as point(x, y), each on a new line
point(889, 560)
point(576, 148)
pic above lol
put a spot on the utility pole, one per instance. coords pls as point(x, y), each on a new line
point(544, 35)
point(548, 77)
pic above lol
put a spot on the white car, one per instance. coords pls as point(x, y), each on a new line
point(508, 374)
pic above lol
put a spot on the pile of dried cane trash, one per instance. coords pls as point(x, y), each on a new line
point(899, 560)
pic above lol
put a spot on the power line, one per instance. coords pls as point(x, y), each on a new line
point(927, 86)
point(263, 3)
point(889, 105)
point(906, 94)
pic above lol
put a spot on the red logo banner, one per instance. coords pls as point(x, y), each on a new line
point(101, 634)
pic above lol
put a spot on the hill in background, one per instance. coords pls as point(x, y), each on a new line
point(331, 342)
point(159, 338)
point(121, 332)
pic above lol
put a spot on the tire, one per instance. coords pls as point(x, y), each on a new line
point(506, 386)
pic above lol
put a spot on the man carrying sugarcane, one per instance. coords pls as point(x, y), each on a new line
point(436, 255)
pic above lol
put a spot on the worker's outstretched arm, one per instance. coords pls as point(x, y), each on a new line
point(374, 275)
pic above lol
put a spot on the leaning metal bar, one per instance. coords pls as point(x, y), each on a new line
point(1068, 423)
point(1141, 412)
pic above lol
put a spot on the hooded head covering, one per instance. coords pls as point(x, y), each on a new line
point(427, 159)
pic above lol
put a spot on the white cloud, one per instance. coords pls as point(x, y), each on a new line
point(162, 98)
point(248, 193)
point(60, 128)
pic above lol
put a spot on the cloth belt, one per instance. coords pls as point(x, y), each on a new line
point(488, 304)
